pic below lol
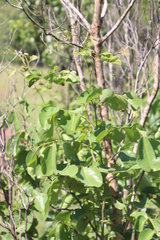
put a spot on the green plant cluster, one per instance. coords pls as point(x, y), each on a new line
point(61, 167)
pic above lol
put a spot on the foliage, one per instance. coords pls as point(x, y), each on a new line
point(57, 184)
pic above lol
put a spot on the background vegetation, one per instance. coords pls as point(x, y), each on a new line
point(80, 125)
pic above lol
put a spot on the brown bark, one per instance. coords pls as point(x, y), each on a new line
point(95, 38)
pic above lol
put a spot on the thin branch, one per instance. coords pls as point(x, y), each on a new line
point(118, 22)
point(104, 9)
point(18, 7)
point(47, 33)
point(69, 5)
point(140, 68)
point(155, 84)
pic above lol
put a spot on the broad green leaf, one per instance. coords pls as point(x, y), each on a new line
point(133, 99)
point(82, 224)
point(108, 57)
point(38, 172)
point(140, 222)
point(81, 99)
point(146, 155)
point(119, 205)
point(31, 172)
point(104, 133)
point(136, 214)
point(40, 201)
point(70, 121)
point(116, 134)
point(49, 161)
point(94, 93)
point(31, 159)
point(33, 76)
point(116, 60)
point(146, 234)
point(106, 94)
point(100, 131)
point(68, 150)
point(78, 214)
point(90, 176)
point(46, 115)
point(64, 232)
point(73, 78)
point(70, 171)
point(132, 132)
point(155, 224)
point(63, 217)
point(118, 102)
point(135, 103)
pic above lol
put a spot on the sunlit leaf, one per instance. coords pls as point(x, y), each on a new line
point(106, 94)
point(146, 234)
point(146, 155)
point(90, 176)
point(49, 161)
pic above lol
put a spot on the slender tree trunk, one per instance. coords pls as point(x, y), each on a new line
point(95, 38)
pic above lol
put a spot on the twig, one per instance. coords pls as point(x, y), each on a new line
point(118, 22)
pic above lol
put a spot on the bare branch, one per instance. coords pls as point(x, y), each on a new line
point(104, 9)
point(67, 4)
point(118, 22)
point(18, 7)
point(155, 84)
point(46, 32)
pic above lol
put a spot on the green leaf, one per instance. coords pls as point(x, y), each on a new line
point(146, 234)
point(81, 99)
point(63, 217)
point(116, 60)
point(155, 224)
point(90, 176)
point(40, 201)
point(133, 100)
point(84, 52)
point(33, 58)
point(132, 132)
point(73, 78)
point(135, 103)
point(140, 222)
point(94, 93)
point(119, 205)
point(68, 150)
point(106, 94)
point(82, 224)
point(49, 161)
point(118, 102)
point(108, 57)
point(33, 76)
point(70, 170)
point(31, 159)
point(64, 232)
point(104, 133)
point(46, 115)
point(70, 121)
point(146, 155)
